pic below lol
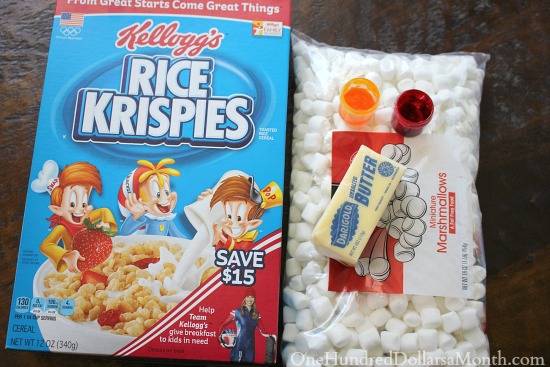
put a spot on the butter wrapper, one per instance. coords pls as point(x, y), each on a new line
point(357, 206)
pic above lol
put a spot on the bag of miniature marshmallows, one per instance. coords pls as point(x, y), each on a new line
point(417, 294)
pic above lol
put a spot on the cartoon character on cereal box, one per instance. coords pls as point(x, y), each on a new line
point(147, 201)
point(70, 193)
point(243, 205)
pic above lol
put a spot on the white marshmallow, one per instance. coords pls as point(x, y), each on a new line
point(478, 291)
point(298, 98)
point(314, 194)
point(300, 117)
point(297, 283)
point(322, 108)
point(398, 303)
point(466, 348)
point(300, 180)
point(382, 116)
point(381, 129)
point(383, 361)
point(425, 87)
point(311, 92)
point(290, 332)
point(375, 78)
point(409, 342)
point(321, 308)
point(441, 82)
point(339, 335)
point(313, 142)
point(445, 341)
point(390, 341)
point(292, 244)
point(305, 250)
point(479, 307)
point(451, 322)
point(421, 302)
point(318, 124)
point(306, 105)
point(475, 336)
point(412, 318)
point(311, 273)
point(427, 339)
point(389, 96)
point(454, 304)
point(292, 267)
point(431, 317)
point(354, 356)
point(435, 355)
point(370, 339)
point(396, 326)
point(364, 325)
point(387, 68)
point(468, 318)
point(454, 116)
point(312, 212)
point(318, 344)
point(287, 351)
point(376, 300)
point(422, 72)
point(380, 316)
point(405, 84)
point(320, 163)
point(295, 299)
point(300, 199)
point(352, 319)
point(312, 291)
point(304, 319)
point(289, 314)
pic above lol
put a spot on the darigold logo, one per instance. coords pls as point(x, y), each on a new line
point(344, 224)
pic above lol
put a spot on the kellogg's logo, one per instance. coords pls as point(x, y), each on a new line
point(167, 36)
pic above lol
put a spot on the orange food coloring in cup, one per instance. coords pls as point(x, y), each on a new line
point(358, 101)
point(359, 98)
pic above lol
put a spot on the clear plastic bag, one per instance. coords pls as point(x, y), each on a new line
point(330, 320)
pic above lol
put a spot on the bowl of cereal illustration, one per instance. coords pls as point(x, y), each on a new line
point(122, 297)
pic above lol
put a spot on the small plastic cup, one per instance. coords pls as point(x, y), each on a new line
point(413, 110)
point(358, 101)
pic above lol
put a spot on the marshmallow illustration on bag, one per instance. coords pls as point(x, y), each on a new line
point(402, 220)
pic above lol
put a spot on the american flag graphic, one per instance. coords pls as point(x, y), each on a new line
point(72, 19)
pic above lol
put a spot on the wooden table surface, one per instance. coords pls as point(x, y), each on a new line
point(514, 146)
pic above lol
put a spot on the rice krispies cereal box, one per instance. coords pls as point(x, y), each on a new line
point(154, 210)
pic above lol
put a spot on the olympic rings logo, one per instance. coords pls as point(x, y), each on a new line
point(70, 31)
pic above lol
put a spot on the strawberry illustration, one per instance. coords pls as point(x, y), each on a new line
point(109, 317)
point(94, 244)
point(91, 277)
point(144, 263)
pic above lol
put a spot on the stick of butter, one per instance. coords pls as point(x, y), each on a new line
point(356, 207)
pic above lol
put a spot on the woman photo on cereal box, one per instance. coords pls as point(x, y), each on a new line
point(247, 319)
